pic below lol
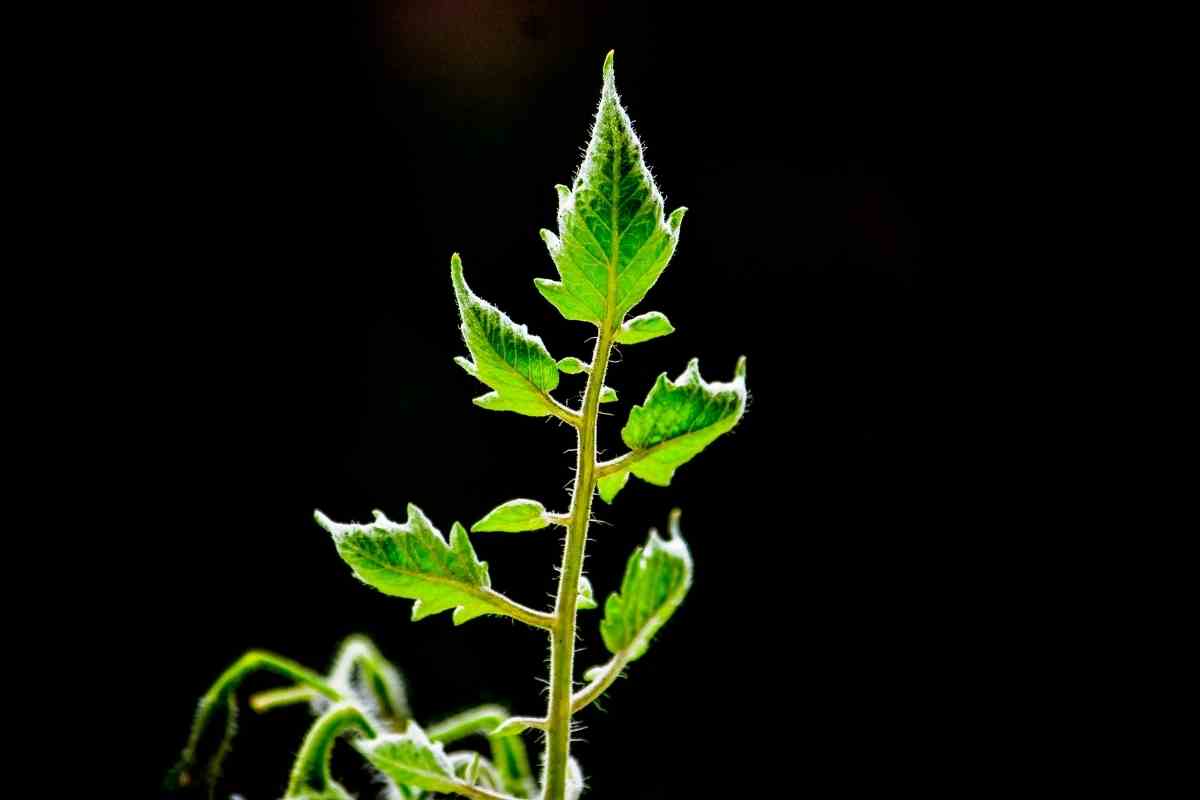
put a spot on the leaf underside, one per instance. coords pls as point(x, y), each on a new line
point(678, 419)
point(414, 561)
point(507, 358)
point(613, 240)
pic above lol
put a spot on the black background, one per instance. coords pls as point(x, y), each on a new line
point(299, 357)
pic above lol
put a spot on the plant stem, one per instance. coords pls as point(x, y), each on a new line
point(311, 771)
point(562, 635)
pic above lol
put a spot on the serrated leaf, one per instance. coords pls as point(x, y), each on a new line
point(571, 365)
point(587, 599)
point(514, 516)
point(613, 240)
point(410, 759)
point(414, 561)
point(608, 394)
point(657, 578)
point(678, 419)
point(645, 327)
point(514, 363)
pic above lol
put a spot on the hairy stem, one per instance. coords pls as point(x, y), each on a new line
point(311, 770)
point(220, 699)
point(562, 635)
point(483, 719)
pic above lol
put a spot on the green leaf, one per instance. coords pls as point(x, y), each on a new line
point(414, 561)
point(515, 364)
point(657, 578)
point(410, 759)
point(608, 395)
point(609, 485)
point(587, 598)
point(678, 420)
point(572, 365)
point(645, 327)
point(514, 516)
point(613, 240)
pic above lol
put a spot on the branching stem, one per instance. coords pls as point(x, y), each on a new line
point(562, 635)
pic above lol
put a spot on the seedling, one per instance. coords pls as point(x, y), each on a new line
point(612, 244)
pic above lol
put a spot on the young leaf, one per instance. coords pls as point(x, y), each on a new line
point(678, 420)
point(410, 759)
point(571, 365)
point(587, 598)
point(657, 579)
point(608, 395)
point(515, 364)
point(613, 241)
point(645, 327)
point(609, 485)
point(514, 516)
point(414, 561)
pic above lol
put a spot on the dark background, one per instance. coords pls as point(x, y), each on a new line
point(325, 166)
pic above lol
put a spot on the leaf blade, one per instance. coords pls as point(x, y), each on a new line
point(514, 363)
point(413, 561)
point(645, 327)
point(411, 759)
point(613, 240)
point(657, 578)
point(514, 516)
point(675, 423)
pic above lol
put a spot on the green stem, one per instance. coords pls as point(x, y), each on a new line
point(612, 671)
point(221, 698)
point(478, 720)
point(562, 635)
point(311, 771)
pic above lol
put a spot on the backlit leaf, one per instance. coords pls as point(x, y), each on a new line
point(657, 578)
point(513, 516)
point(613, 240)
point(645, 327)
point(514, 363)
point(414, 561)
point(410, 759)
point(678, 419)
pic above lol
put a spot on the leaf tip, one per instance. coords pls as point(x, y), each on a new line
point(456, 275)
point(608, 69)
point(673, 523)
point(676, 218)
point(740, 371)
